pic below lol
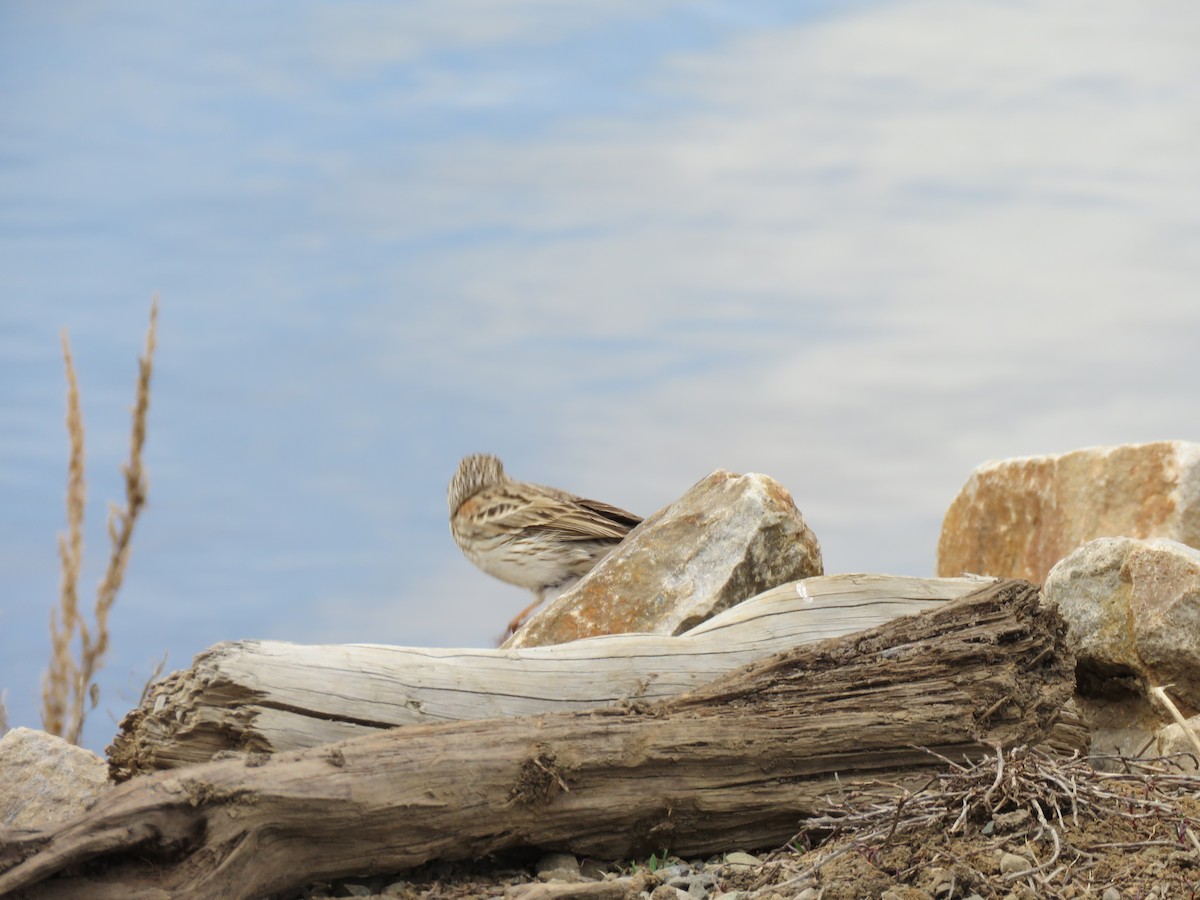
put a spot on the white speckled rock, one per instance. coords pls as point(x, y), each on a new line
point(1132, 609)
point(45, 780)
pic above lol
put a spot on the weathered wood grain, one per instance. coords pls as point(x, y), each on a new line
point(736, 763)
point(269, 696)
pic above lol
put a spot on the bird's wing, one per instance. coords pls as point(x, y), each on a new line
point(623, 519)
point(567, 516)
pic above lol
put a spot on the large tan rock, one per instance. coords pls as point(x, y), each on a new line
point(1132, 609)
point(728, 538)
point(45, 780)
point(1016, 518)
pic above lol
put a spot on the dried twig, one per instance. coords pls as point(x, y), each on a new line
point(152, 678)
point(1055, 793)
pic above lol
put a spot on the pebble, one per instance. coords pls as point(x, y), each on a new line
point(1110, 893)
point(939, 880)
point(904, 892)
point(695, 885)
point(1010, 864)
point(738, 858)
point(560, 866)
point(595, 871)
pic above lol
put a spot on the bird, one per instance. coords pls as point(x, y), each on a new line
point(529, 535)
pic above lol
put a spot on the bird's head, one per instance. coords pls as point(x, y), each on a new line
point(475, 472)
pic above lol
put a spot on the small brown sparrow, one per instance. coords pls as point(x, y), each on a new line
point(535, 537)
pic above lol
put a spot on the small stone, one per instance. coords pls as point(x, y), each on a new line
point(936, 880)
point(399, 889)
point(1110, 893)
point(595, 890)
point(561, 866)
point(45, 780)
point(1010, 821)
point(592, 870)
point(809, 894)
point(904, 892)
point(1012, 864)
point(666, 892)
point(697, 884)
point(738, 858)
point(691, 884)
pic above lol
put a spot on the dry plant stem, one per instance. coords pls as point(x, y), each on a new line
point(62, 677)
point(152, 678)
point(121, 522)
point(1049, 787)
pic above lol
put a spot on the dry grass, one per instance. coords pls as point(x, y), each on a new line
point(1075, 829)
point(59, 679)
point(69, 690)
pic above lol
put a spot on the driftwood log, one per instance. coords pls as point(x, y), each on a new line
point(270, 696)
point(736, 763)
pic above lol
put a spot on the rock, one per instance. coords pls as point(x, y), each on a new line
point(1016, 518)
point(1010, 821)
point(1171, 740)
point(694, 884)
point(727, 539)
point(45, 780)
point(1110, 893)
point(1132, 609)
point(1012, 864)
point(620, 889)
point(738, 858)
point(1134, 606)
point(592, 870)
point(559, 866)
point(904, 892)
point(934, 880)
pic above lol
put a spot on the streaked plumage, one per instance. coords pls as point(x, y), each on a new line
point(530, 535)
